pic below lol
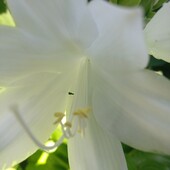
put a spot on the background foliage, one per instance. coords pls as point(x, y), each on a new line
point(3, 6)
point(136, 160)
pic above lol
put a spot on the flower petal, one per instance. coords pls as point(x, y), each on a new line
point(38, 97)
point(70, 19)
point(96, 150)
point(136, 108)
point(120, 45)
point(22, 53)
point(157, 34)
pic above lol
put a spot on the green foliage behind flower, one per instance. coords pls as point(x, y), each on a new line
point(149, 6)
point(3, 6)
point(58, 160)
point(46, 161)
point(137, 160)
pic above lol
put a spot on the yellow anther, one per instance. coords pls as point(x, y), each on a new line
point(59, 116)
point(68, 124)
point(79, 131)
point(82, 112)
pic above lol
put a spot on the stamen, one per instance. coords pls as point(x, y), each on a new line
point(68, 129)
point(64, 130)
point(68, 124)
point(59, 116)
point(83, 113)
point(31, 135)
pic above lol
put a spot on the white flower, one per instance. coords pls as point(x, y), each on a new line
point(85, 60)
point(157, 34)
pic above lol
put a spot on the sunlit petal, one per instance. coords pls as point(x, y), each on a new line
point(96, 150)
point(120, 45)
point(93, 149)
point(157, 34)
point(69, 19)
point(22, 53)
point(32, 95)
point(135, 107)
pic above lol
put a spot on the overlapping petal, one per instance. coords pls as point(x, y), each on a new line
point(157, 34)
point(33, 47)
point(120, 45)
point(96, 150)
point(31, 95)
point(69, 19)
point(135, 107)
point(22, 53)
point(38, 64)
point(40, 60)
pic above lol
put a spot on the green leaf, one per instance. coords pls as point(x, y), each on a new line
point(154, 63)
point(126, 148)
point(40, 160)
point(43, 161)
point(126, 2)
point(147, 5)
point(129, 2)
point(3, 6)
point(159, 4)
point(159, 66)
point(137, 160)
point(113, 1)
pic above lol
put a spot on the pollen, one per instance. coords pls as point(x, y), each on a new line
point(68, 124)
point(75, 123)
point(59, 116)
point(83, 113)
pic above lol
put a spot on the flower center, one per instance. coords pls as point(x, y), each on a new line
point(71, 123)
point(77, 123)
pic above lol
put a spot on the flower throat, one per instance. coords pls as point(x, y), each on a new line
point(76, 119)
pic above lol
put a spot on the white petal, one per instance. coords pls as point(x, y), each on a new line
point(96, 150)
point(38, 97)
point(22, 53)
point(70, 19)
point(120, 45)
point(136, 108)
point(157, 34)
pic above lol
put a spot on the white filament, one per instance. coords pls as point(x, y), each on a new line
point(32, 136)
point(81, 114)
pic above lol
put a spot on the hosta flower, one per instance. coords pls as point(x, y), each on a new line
point(83, 61)
point(157, 34)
